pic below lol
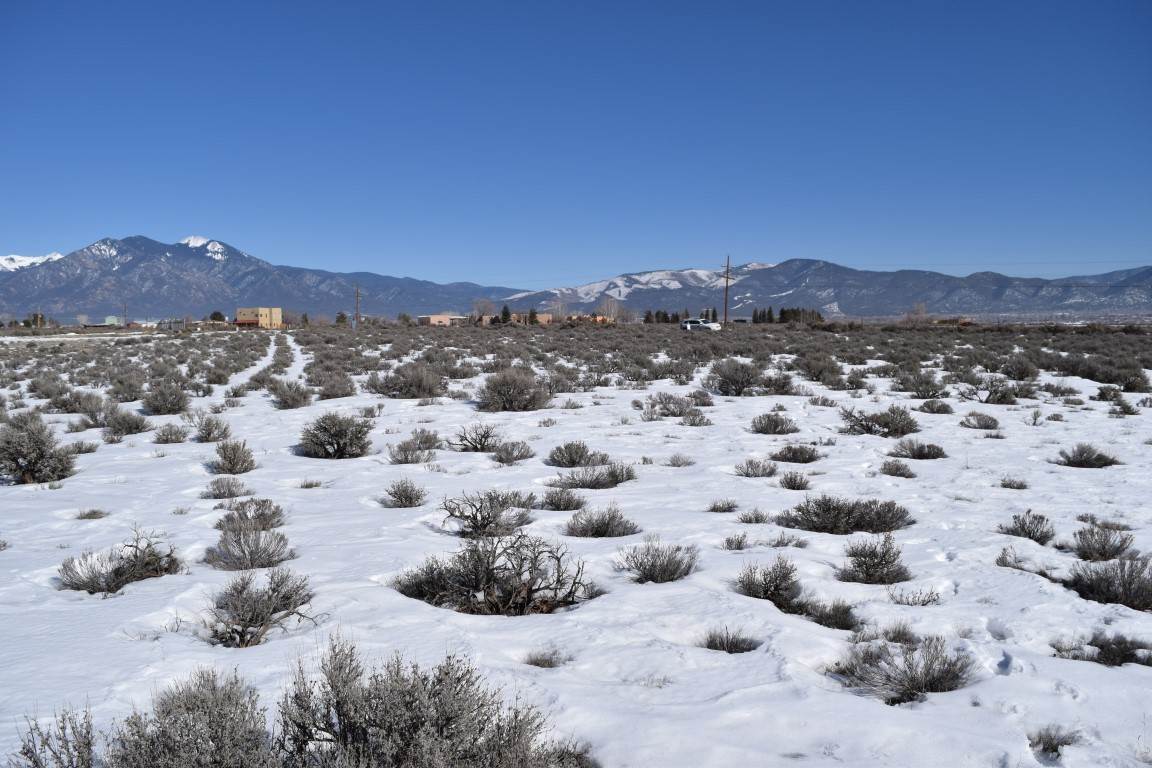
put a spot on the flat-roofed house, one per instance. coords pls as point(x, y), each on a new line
point(442, 319)
point(259, 317)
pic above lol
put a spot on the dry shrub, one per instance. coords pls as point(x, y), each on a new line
point(144, 556)
point(654, 561)
point(510, 576)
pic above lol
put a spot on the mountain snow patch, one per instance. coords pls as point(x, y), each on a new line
point(13, 263)
point(195, 241)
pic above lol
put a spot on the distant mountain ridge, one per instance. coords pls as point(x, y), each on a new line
point(198, 275)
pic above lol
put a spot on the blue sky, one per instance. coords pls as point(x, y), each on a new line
point(543, 143)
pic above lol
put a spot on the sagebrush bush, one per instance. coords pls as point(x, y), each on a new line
point(773, 424)
point(288, 395)
point(562, 500)
point(414, 381)
point(593, 478)
point(30, 453)
point(209, 428)
point(916, 450)
point(1030, 525)
point(243, 548)
point(144, 556)
point(513, 575)
point(404, 493)
point(404, 716)
point(225, 488)
point(489, 513)
point(732, 377)
point(1111, 650)
point(977, 420)
point(170, 433)
point(233, 457)
point(1127, 581)
point(244, 612)
point(575, 454)
point(894, 422)
point(655, 561)
point(874, 561)
point(775, 583)
point(409, 452)
point(165, 398)
point(514, 389)
point(333, 436)
point(935, 406)
point(753, 467)
point(794, 481)
point(512, 452)
point(898, 674)
point(896, 468)
point(1086, 456)
point(832, 514)
point(68, 742)
point(255, 514)
point(796, 454)
point(604, 523)
point(1097, 543)
point(119, 423)
point(208, 720)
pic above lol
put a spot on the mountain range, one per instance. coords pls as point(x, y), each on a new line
point(197, 275)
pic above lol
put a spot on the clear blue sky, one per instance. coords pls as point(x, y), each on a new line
point(543, 142)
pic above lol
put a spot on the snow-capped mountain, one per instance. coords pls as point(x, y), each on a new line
point(840, 291)
point(198, 274)
point(13, 263)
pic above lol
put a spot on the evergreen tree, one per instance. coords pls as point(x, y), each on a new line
point(505, 315)
point(649, 318)
point(532, 318)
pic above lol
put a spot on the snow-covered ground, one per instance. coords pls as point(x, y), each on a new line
point(638, 688)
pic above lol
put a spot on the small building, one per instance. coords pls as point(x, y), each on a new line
point(443, 320)
point(519, 318)
point(259, 317)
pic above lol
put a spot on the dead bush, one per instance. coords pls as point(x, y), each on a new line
point(894, 422)
point(510, 576)
point(144, 556)
point(489, 513)
point(244, 613)
point(477, 438)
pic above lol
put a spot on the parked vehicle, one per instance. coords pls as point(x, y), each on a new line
point(698, 324)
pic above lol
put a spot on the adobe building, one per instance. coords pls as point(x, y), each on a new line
point(259, 317)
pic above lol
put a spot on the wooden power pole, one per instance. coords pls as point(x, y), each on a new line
point(356, 315)
point(727, 273)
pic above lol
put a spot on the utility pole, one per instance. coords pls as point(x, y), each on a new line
point(357, 313)
point(124, 317)
point(727, 274)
